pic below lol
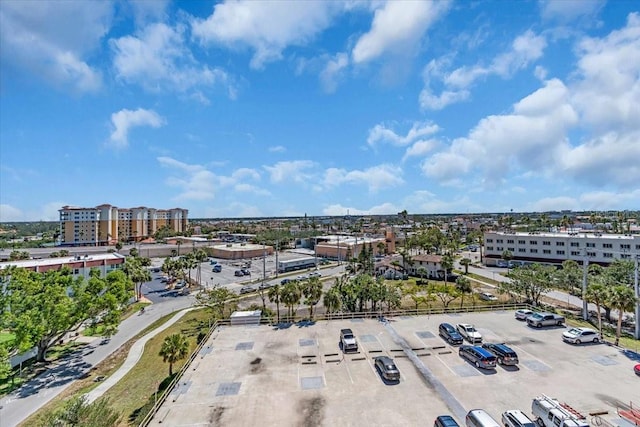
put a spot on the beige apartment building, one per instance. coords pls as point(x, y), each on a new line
point(106, 224)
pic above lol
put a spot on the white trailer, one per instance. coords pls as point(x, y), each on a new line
point(296, 264)
point(550, 412)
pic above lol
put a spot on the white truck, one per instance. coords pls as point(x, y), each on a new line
point(550, 412)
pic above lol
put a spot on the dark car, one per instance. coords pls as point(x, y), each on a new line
point(246, 290)
point(479, 356)
point(445, 421)
point(238, 273)
point(217, 268)
point(387, 368)
point(504, 354)
point(285, 281)
point(450, 334)
point(246, 271)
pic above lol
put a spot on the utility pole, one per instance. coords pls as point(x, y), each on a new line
point(585, 305)
point(264, 263)
point(635, 287)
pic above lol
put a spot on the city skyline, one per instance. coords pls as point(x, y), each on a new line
point(280, 109)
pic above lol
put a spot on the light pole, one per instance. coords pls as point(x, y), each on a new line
point(585, 268)
point(637, 292)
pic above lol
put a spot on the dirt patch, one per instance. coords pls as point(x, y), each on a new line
point(215, 415)
point(311, 411)
point(612, 401)
point(256, 366)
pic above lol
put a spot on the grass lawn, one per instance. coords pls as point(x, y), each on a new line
point(137, 388)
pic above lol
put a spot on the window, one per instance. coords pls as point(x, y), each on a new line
point(593, 254)
point(500, 248)
point(489, 248)
point(489, 240)
point(521, 242)
point(625, 256)
point(511, 249)
point(575, 244)
point(607, 245)
point(559, 252)
point(624, 246)
point(533, 242)
point(546, 251)
point(575, 253)
point(607, 255)
point(637, 247)
point(546, 243)
point(533, 251)
point(499, 241)
point(591, 245)
point(510, 241)
point(522, 250)
point(559, 243)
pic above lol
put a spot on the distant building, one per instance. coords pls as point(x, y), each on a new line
point(107, 224)
point(79, 265)
point(338, 247)
point(239, 251)
point(554, 248)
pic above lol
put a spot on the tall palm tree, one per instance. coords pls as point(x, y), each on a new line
point(447, 264)
point(312, 291)
point(174, 348)
point(332, 301)
point(623, 299)
point(463, 285)
point(291, 296)
point(597, 294)
point(465, 262)
point(275, 295)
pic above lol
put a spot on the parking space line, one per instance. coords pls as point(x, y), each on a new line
point(347, 366)
point(531, 355)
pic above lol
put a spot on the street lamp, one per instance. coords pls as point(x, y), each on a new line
point(637, 293)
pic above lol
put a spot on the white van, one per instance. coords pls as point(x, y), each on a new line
point(516, 418)
point(480, 418)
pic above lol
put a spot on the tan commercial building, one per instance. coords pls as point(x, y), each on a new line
point(107, 224)
point(239, 251)
point(343, 247)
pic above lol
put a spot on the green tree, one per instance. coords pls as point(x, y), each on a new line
point(217, 299)
point(312, 292)
point(138, 273)
point(569, 278)
point(445, 293)
point(19, 255)
point(174, 348)
point(621, 298)
point(465, 262)
point(290, 296)
point(79, 413)
point(597, 294)
point(463, 286)
point(332, 302)
point(40, 308)
point(5, 364)
point(447, 264)
point(275, 296)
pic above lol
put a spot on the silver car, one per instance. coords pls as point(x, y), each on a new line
point(522, 314)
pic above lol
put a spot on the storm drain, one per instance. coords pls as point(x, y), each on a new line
point(424, 334)
point(311, 383)
point(307, 342)
point(228, 389)
point(536, 366)
point(367, 338)
point(466, 371)
point(244, 345)
point(604, 360)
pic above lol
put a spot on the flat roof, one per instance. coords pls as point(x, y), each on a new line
point(581, 235)
point(296, 374)
point(30, 263)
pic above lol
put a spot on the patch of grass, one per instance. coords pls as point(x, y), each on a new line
point(6, 337)
point(133, 395)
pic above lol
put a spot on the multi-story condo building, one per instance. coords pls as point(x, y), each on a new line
point(107, 224)
point(554, 248)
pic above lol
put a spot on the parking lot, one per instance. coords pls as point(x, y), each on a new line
point(297, 375)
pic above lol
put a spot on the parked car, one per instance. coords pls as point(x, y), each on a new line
point(238, 273)
point(217, 268)
point(445, 421)
point(285, 281)
point(302, 277)
point(523, 313)
point(580, 335)
point(469, 333)
point(504, 354)
point(450, 334)
point(246, 271)
point(246, 290)
point(348, 340)
point(636, 369)
point(387, 368)
point(315, 274)
point(516, 418)
point(264, 286)
point(480, 418)
point(479, 356)
point(545, 319)
point(486, 296)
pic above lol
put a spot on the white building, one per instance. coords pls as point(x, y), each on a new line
point(554, 248)
point(79, 265)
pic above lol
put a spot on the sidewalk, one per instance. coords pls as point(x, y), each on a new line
point(135, 352)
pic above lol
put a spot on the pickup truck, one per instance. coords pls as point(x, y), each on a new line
point(539, 320)
point(348, 340)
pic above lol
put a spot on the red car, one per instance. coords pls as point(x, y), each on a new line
point(636, 369)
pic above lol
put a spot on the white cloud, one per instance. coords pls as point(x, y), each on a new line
point(525, 49)
point(376, 177)
point(397, 25)
point(340, 210)
point(425, 201)
point(553, 204)
point(145, 11)
point(333, 71)
point(382, 133)
point(194, 181)
point(47, 212)
point(46, 39)
point(248, 188)
point(277, 149)
point(124, 120)
point(607, 200)
point(10, 213)
point(569, 10)
point(267, 27)
point(157, 59)
point(290, 171)
point(420, 148)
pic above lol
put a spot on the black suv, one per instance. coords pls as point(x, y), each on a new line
point(445, 421)
point(505, 355)
point(450, 334)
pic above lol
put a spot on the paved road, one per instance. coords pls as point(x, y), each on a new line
point(37, 392)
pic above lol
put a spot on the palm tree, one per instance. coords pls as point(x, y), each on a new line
point(465, 262)
point(275, 295)
point(332, 301)
point(597, 294)
point(447, 264)
point(463, 286)
point(623, 299)
point(312, 291)
point(291, 296)
point(174, 348)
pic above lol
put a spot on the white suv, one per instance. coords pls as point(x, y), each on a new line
point(516, 418)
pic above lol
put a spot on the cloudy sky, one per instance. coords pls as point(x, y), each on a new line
point(259, 108)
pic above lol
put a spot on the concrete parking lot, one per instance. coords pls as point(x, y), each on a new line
point(297, 375)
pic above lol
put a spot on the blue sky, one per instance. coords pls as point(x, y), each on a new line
point(258, 108)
